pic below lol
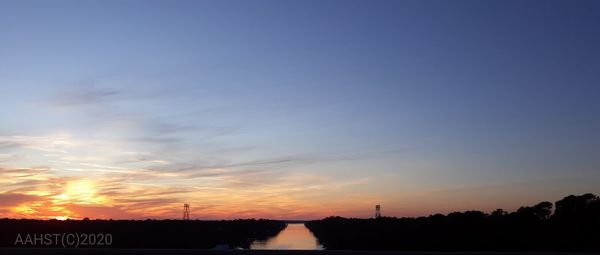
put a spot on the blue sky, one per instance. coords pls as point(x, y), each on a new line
point(297, 109)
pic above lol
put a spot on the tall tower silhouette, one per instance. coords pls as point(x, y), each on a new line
point(377, 211)
point(186, 211)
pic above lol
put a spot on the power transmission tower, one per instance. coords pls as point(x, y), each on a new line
point(186, 211)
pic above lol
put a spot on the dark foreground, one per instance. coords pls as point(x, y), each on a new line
point(29, 251)
point(574, 226)
point(135, 234)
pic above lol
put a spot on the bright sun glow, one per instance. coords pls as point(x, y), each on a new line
point(24, 209)
point(81, 192)
point(61, 218)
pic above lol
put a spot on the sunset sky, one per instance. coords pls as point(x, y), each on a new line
point(295, 109)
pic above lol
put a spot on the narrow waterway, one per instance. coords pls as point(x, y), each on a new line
point(294, 237)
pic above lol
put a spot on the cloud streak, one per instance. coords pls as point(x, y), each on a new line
point(85, 95)
point(43, 193)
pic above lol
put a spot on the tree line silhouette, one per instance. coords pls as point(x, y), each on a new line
point(188, 234)
point(574, 226)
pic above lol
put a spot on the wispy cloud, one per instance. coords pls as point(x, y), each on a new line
point(151, 169)
point(13, 199)
point(9, 145)
point(85, 95)
point(217, 193)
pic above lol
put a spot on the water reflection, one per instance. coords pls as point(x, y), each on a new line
point(294, 237)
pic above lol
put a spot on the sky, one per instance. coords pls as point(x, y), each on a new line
point(295, 109)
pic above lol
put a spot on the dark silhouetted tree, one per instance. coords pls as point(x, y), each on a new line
point(541, 211)
point(531, 228)
point(577, 208)
point(498, 213)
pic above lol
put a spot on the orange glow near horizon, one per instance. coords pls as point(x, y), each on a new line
point(109, 198)
point(120, 197)
point(81, 184)
point(42, 194)
point(80, 192)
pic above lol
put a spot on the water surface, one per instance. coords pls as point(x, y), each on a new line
point(294, 237)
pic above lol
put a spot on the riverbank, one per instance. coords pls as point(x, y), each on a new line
point(136, 234)
point(574, 226)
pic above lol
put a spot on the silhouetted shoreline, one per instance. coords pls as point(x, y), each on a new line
point(574, 226)
point(153, 234)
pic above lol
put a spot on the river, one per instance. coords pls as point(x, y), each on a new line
point(294, 237)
